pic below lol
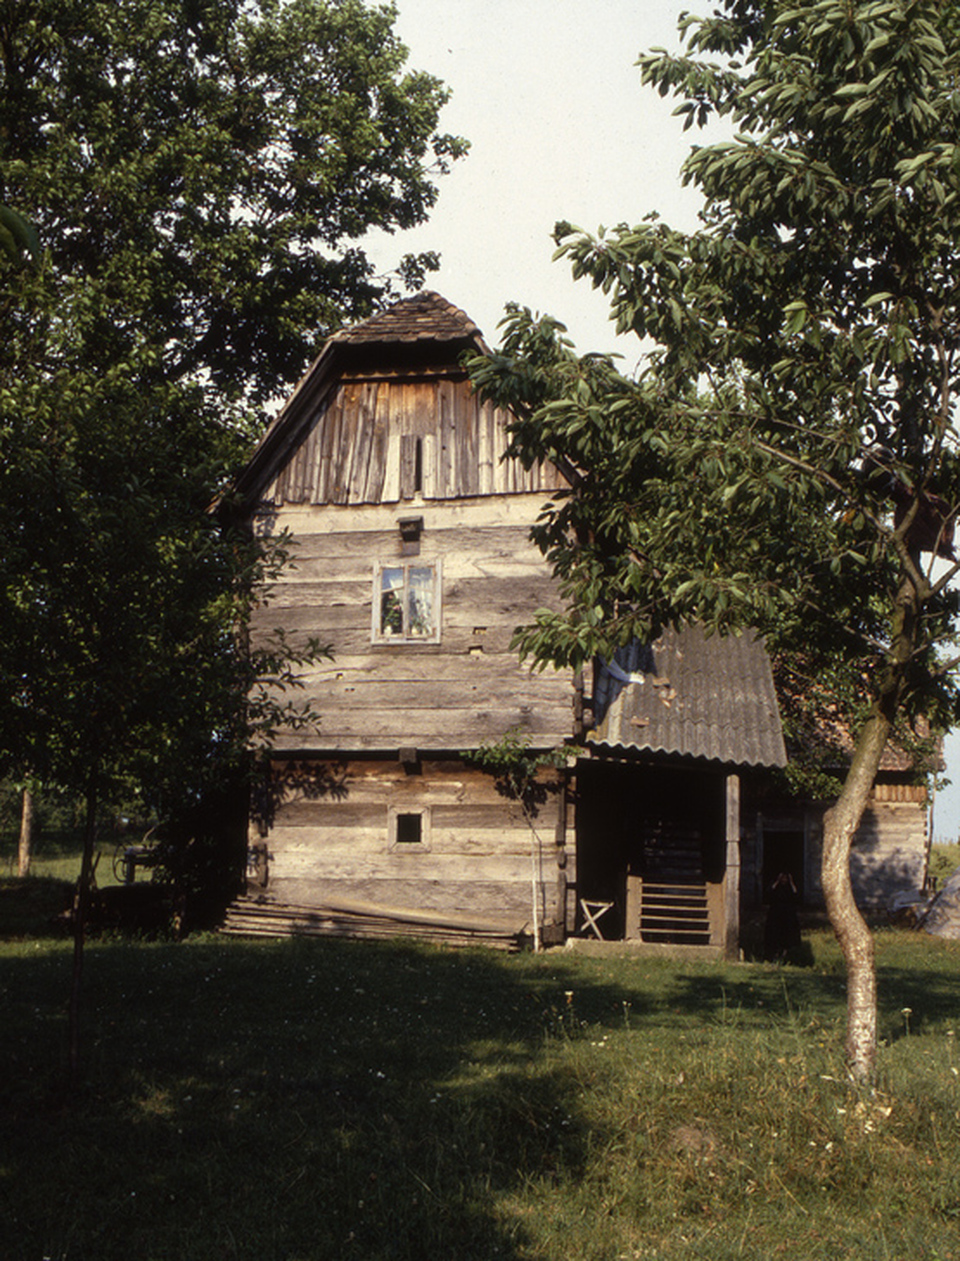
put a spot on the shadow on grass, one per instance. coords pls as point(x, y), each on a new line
point(29, 907)
point(305, 1100)
point(285, 1100)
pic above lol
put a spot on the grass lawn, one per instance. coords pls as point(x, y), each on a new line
point(306, 1100)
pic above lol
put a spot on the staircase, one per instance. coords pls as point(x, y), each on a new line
point(669, 902)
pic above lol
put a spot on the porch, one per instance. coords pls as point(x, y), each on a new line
point(658, 854)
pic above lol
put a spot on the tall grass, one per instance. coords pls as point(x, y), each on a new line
point(305, 1100)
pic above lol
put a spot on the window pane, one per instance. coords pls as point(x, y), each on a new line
point(409, 829)
point(391, 602)
point(420, 613)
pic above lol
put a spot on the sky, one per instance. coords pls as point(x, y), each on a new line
point(560, 127)
point(549, 95)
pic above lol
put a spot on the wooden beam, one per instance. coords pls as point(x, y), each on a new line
point(731, 879)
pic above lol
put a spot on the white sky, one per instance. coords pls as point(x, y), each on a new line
point(560, 127)
point(548, 94)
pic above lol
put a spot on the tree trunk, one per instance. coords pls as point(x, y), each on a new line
point(855, 938)
point(81, 909)
point(840, 825)
point(25, 847)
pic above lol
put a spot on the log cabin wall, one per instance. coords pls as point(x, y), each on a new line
point(451, 691)
point(438, 837)
point(888, 856)
point(891, 848)
point(411, 558)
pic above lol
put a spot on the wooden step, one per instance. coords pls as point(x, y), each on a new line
point(675, 913)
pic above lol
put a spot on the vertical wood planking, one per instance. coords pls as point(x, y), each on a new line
point(485, 453)
point(316, 451)
point(430, 490)
point(325, 476)
point(373, 490)
point(338, 450)
point(362, 446)
point(467, 441)
point(423, 407)
point(362, 443)
point(445, 487)
point(408, 458)
point(391, 479)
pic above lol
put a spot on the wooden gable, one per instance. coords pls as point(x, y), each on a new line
point(386, 414)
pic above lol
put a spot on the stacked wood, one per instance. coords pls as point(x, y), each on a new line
point(258, 916)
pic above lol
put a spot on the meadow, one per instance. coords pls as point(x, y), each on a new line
point(304, 1100)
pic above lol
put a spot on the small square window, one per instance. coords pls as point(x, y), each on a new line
point(409, 829)
point(407, 603)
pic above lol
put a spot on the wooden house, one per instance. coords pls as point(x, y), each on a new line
point(890, 851)
point(412, 559)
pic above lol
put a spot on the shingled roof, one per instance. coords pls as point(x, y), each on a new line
point(694, 696)
point(425, 317)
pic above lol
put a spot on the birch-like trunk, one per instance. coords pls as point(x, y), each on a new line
point(856, 940)
point(840, 825)
point(25, 846)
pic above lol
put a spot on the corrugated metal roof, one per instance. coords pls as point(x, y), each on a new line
point(424, 317)
point(694, 695)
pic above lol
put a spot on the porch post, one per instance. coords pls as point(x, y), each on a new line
point(731, 879)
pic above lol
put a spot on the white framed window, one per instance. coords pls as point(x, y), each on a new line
point(406, 602)
point(408, 829)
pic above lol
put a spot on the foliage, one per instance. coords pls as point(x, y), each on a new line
point(517, 767)
point(788, 460)
point(944, 861)
point(821, 702)
point(120, 591)
point(201, 172)
point(313, 1099)
point(773, 464)
point(54, 809)
point(18, 237)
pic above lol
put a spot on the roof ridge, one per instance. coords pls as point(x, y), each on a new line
point(425, 316)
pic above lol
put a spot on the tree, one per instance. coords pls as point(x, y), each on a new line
point(122, 601)
point(200, 173)
point(788, 457)
point(18, 237)
point(203, 170)
point(25, 838)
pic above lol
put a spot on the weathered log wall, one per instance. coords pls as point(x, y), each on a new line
point(469, 687)
point(334, 840)
point(889, 852)
point(380, 440)
point(888, 856)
